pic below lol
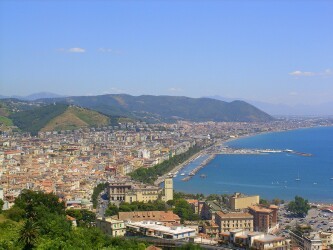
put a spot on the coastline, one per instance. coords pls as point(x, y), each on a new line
point(312, 181)
point(223, 143)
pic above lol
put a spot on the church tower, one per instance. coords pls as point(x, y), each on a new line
point(168, 189)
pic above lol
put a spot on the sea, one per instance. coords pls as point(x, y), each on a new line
point(273, 175)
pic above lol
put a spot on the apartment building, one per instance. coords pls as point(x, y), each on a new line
point(232, 221)
point(264, 218)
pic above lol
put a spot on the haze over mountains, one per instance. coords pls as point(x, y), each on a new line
point(324, 109)
point(34, 96)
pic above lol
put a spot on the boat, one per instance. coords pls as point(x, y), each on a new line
point(203, 176)
point(315, 183)
point(331, 178)
point(298, 179)
point(182, 174)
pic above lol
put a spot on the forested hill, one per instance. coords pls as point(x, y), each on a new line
point(57, 117)
point(168, 108)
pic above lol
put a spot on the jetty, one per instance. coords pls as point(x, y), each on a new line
point(202, 164)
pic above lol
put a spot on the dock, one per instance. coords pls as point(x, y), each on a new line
point(202, 164)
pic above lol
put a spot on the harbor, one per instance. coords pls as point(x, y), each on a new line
point(196, 169)
point(220, 149)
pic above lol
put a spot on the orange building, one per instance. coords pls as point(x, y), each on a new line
point(264, 218)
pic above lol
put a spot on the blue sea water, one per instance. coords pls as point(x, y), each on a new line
point(270, 175)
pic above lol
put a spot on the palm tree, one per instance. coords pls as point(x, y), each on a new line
point(29, 234)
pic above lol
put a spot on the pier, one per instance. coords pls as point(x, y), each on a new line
point(202, 164)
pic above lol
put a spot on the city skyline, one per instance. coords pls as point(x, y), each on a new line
point(276, 52)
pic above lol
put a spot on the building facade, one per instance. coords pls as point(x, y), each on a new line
point(264, 218)
point(129, 191)
point(111, 226)
point(232, 221)
point(253, 240)
point(240, 201)
point(156, 229)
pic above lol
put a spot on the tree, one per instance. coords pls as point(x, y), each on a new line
point(15, 213)
point(184, 210)
point(97, 190)
point(299, 206)
point(30, 201)
point(29, 234)
point(263, 202)
point(111, 210)
point(1, 205)
point(83, 217)
point(276, 201)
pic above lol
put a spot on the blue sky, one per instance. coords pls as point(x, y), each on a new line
point(273, 51)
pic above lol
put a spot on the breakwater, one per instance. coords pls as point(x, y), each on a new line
point(196, 169)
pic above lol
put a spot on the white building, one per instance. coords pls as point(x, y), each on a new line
point(156, 229)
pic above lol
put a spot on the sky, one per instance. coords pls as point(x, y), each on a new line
point(272, 51)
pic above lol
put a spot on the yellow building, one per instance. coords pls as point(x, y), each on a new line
point(241, 201)
point(232, 221)
point(142, 194)
point(168, 189)
point(129, 191)
point(111, 226)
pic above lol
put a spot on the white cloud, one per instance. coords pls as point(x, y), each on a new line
point(72, 50)
point(175, 89)
point(108, 50)
point(300, 73)
point(76, 50)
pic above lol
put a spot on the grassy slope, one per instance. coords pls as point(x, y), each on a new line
point(6, 121)
point(75, 117)
point(34, 120)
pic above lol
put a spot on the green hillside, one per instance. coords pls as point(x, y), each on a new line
point(57, 117)
point(169, 108)
point(75, 117)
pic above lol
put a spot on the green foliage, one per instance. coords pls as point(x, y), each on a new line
point(190, 246)
point(97, 190)
point(178, 195)
point(84, 217)
point(34, 120)
point(111, 210)
point(149, 175)
point(47, 228)
point(1, 205)
point(263, 202)
point(9, 233)
point(29, 234)
point(141, 206)
point(15, 213)
point(6, 121)
point(38, 202)
point(184, 210)
point(299, 206)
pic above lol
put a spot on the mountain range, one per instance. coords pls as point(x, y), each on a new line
point(73, 112)
point(33, 97)
point(324, 109)
point(167, 108)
